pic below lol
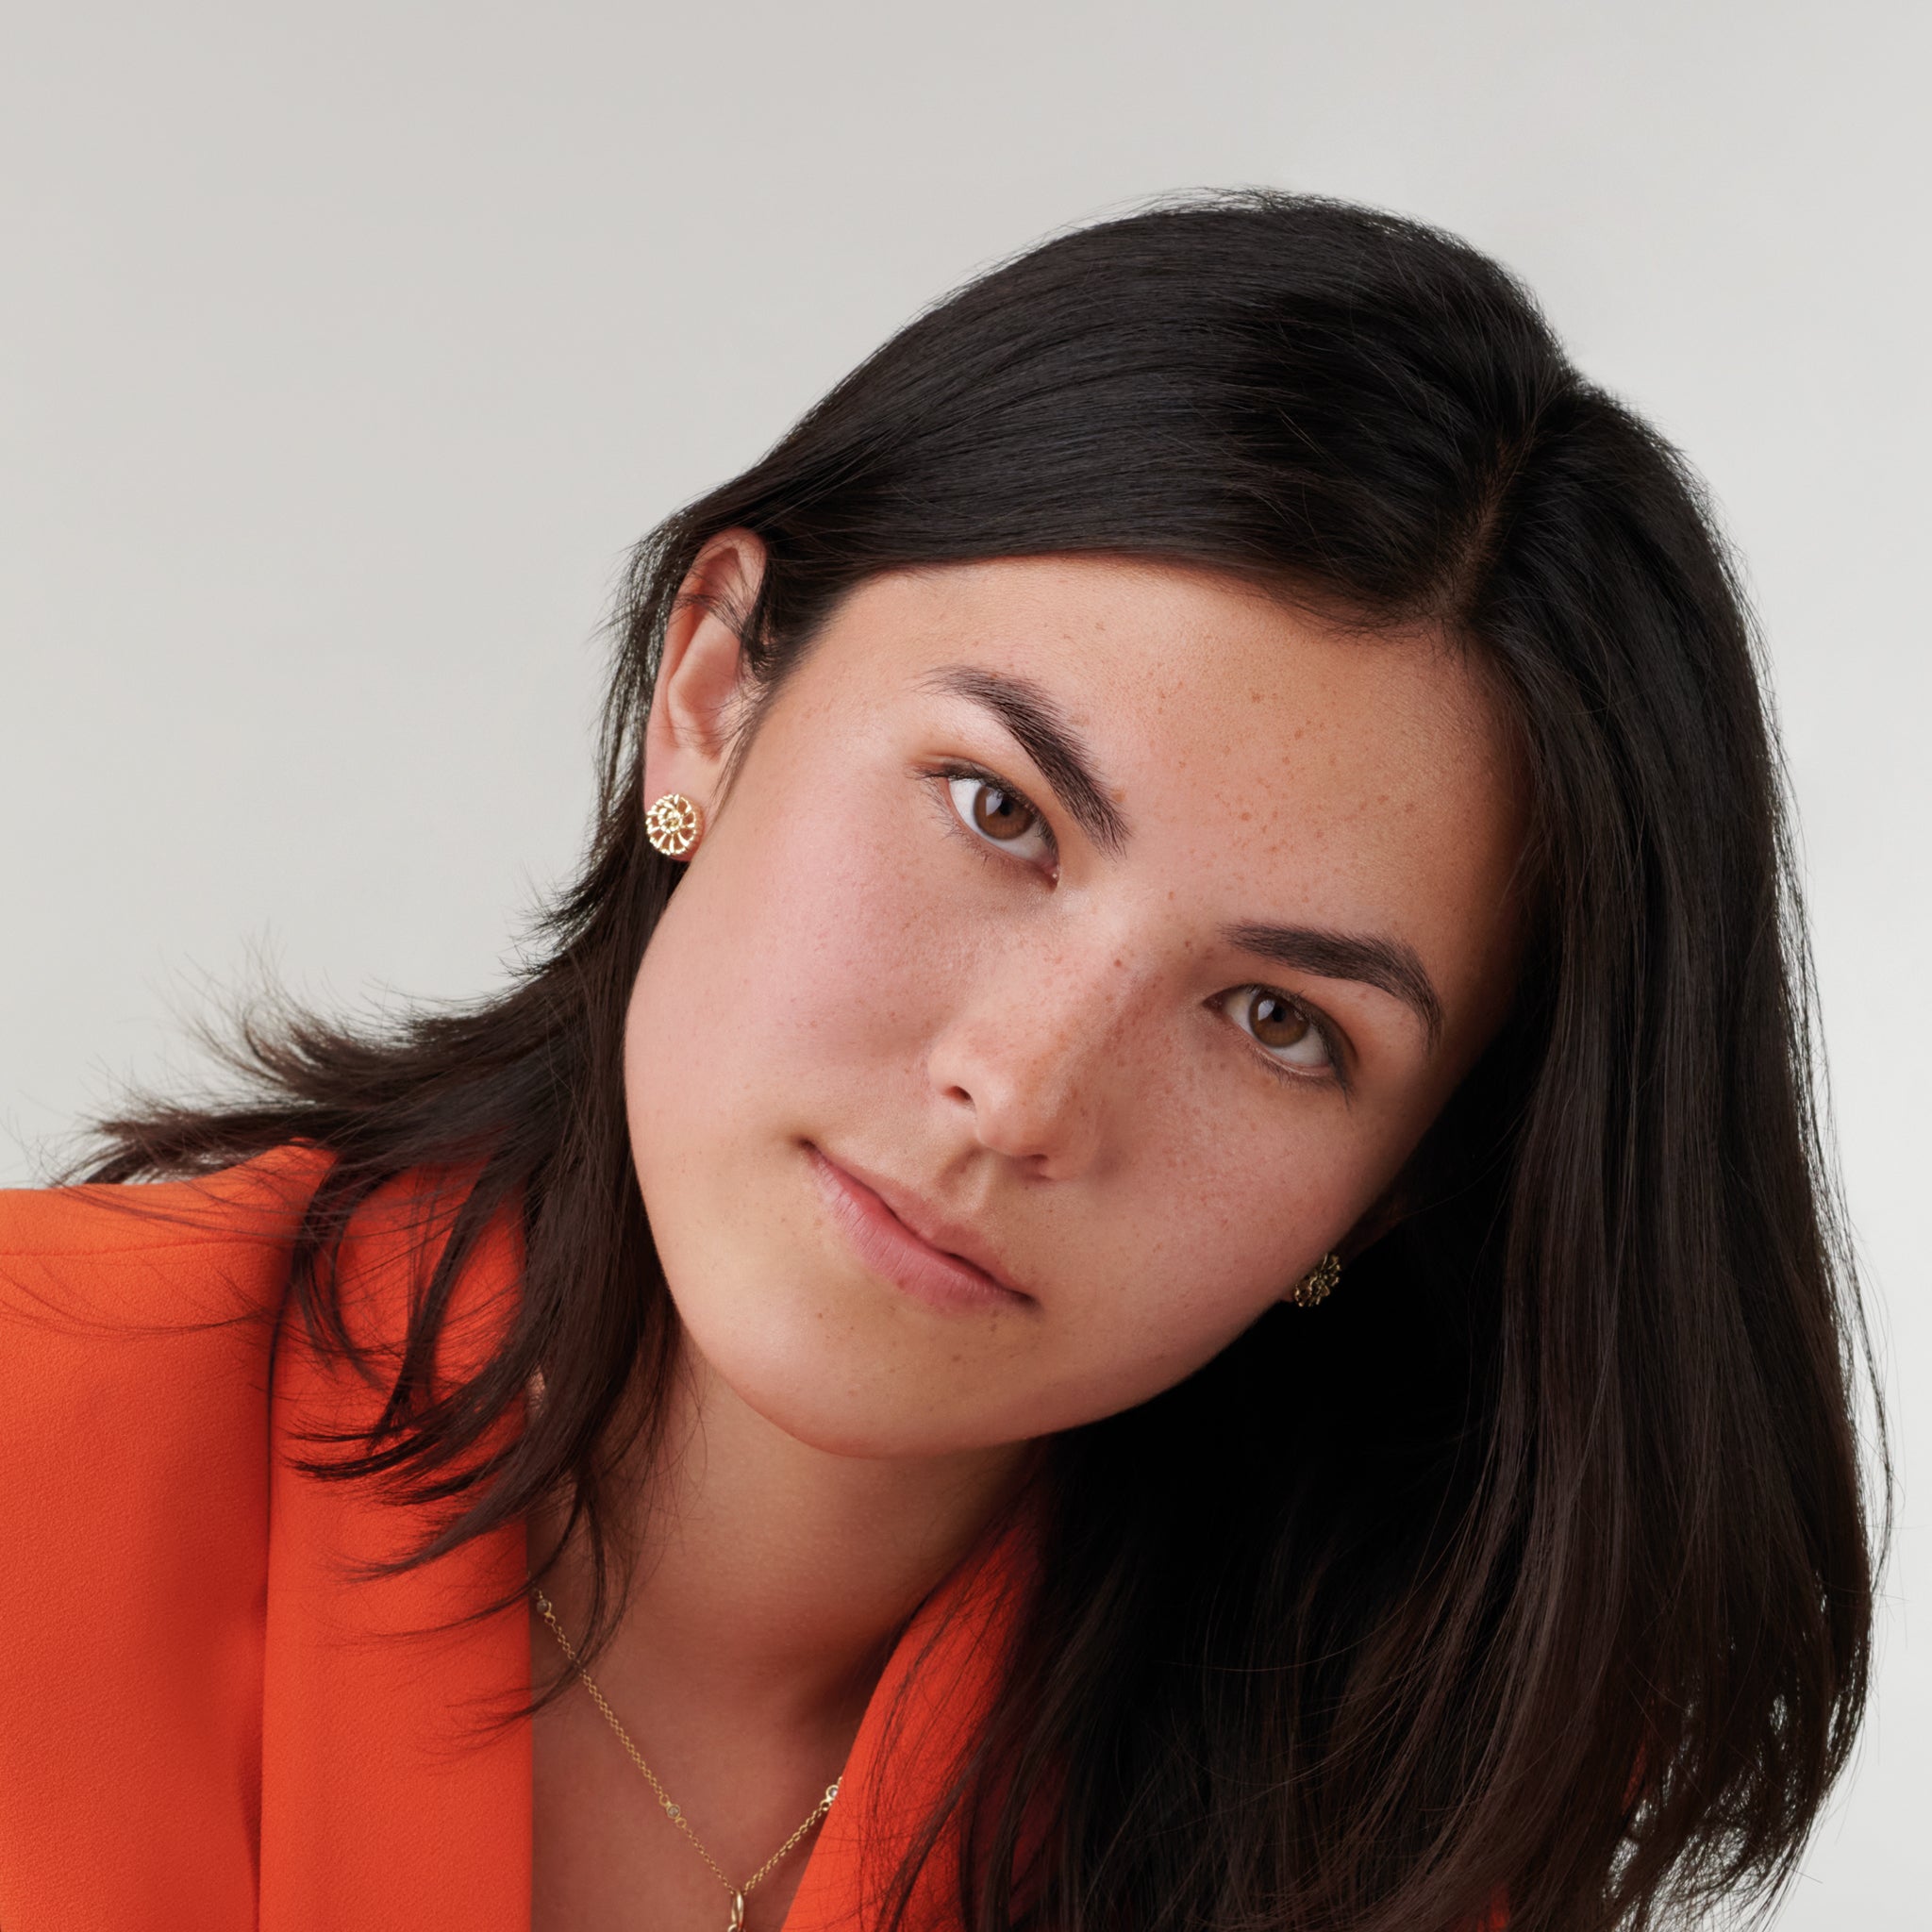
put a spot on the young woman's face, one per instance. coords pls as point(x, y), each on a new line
point(1079, 952)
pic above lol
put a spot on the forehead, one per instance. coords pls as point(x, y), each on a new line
point(1166, 669)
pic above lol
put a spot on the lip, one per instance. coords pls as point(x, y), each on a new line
point(936, 1261)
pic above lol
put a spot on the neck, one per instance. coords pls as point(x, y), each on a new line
point(773, 1576)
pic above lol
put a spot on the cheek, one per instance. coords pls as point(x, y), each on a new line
point(1216, 1211)
point(1228, 1199)
point(800, 963)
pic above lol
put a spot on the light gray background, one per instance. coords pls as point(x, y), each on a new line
point(346, 348)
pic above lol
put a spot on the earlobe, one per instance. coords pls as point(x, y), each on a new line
point(698, 699)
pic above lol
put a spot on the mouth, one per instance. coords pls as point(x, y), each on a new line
point(900, 1240)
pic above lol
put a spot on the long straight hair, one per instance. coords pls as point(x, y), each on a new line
point(1540, 1563)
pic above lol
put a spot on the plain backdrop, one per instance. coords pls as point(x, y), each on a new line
point(346, 349)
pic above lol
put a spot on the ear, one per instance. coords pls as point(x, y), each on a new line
point(699, 700)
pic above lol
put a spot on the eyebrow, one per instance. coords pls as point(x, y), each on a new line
point(1044, 734)
point(1387, 964)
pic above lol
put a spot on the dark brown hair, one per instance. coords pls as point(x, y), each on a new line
point(1539, 1562)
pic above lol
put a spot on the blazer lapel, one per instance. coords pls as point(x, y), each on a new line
point(936, 1692)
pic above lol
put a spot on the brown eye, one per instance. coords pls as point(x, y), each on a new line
point(999, 816)
point(1283, 1028)
point(1274, 1022)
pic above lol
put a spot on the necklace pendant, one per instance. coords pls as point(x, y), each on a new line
point(737, 1924)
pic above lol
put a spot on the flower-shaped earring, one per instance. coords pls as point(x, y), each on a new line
point(674, 826)
point(1316, 1284)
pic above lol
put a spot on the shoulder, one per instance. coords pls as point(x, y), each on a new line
point(135, 1326)
point(173, 1254)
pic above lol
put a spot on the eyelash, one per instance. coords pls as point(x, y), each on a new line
point(943, 774)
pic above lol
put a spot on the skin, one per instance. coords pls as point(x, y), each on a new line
point(897, 949)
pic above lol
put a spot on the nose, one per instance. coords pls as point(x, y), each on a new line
point(1033, 1050)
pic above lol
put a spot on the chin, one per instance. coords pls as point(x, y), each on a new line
point(842, 1388)
point(856, 1431)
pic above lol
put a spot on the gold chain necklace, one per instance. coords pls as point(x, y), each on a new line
point(671, 1810)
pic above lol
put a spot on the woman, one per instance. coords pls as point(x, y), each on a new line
point(1147, 1249)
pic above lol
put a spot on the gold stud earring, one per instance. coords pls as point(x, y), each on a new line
point(674, 825)
point(1316, 1284)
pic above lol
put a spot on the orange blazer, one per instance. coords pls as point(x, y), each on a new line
point(207, 1722)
